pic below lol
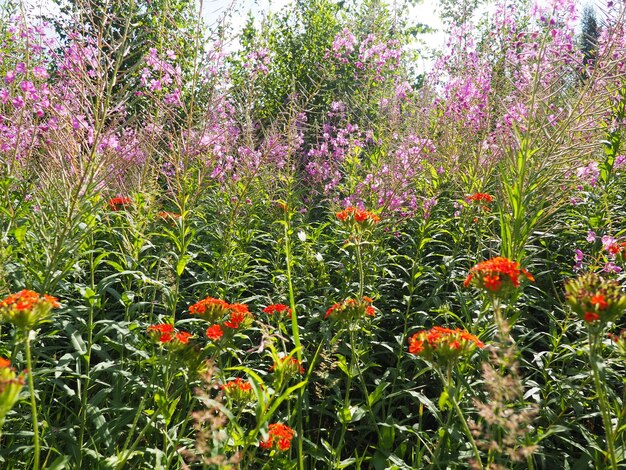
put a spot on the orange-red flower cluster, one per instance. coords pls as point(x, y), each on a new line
point(595, 299)
point(165, 333)
point(168, 216)
point(279, 437)
point(237, 383)
point(220, 314)
point(239, 314)
point(480, 197)
point(288, 366)
point(360, 216)
point(214, 332)
point(442, 342)
point(117, 203)
point(277, 308)
point(351, 309)
point(27, 309)
point(497, 275)
point(238, 390)
point(10, 386)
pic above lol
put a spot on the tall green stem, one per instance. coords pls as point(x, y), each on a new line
point(33, 402)
point(295, 331)
point(452, 392)
point(604, 406)
point(466, 428)
point(359, 258)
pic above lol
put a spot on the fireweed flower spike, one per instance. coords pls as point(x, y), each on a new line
point(279, 437)
point(498, 276)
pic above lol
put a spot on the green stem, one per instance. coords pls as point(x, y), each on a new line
point(33, 403)
point(346, 405)
point(452, 397)
point(604, 407)
point(466, 428)
point(359, 258)
point(295, 331)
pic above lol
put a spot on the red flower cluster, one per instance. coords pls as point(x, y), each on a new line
point(600, 304)
point(497, 275)
point(117, 203)
point(168, 216)
point(10, 386)
point(221, 314)
point(279, 437)
point(237, 383)
point(358, 215)
point(277, 308)
point(351, 309)
point(28, 299)
point(210, 309)
point(26, 308)
point(443, 342)
point(165, 333)
point(595, 299)
point(287, 365)
point(214, 332)
point(480, 197)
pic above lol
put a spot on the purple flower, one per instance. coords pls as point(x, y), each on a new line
point(611, 267)
point(591, 236)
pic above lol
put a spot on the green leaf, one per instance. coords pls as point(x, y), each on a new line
point(444, 400)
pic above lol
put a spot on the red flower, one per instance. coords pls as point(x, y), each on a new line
point(277, 308)
point(117, 203)
point(493, 283)
point(210, 309)
point(591, 317)
point(443, 342)
point(183, 337)
point(599, 301)
point(238, 384)
point(239, 314)
point(279, 437)
point(163, 332)
point(497, 274)
point(480, 197)
point(4, 363)
point(168, 216)
point(214, 332)
point(360, 216)
point(26, 308)
point(288, 365)
point(351, 309)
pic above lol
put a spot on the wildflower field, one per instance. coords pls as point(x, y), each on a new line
point(289, 248)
